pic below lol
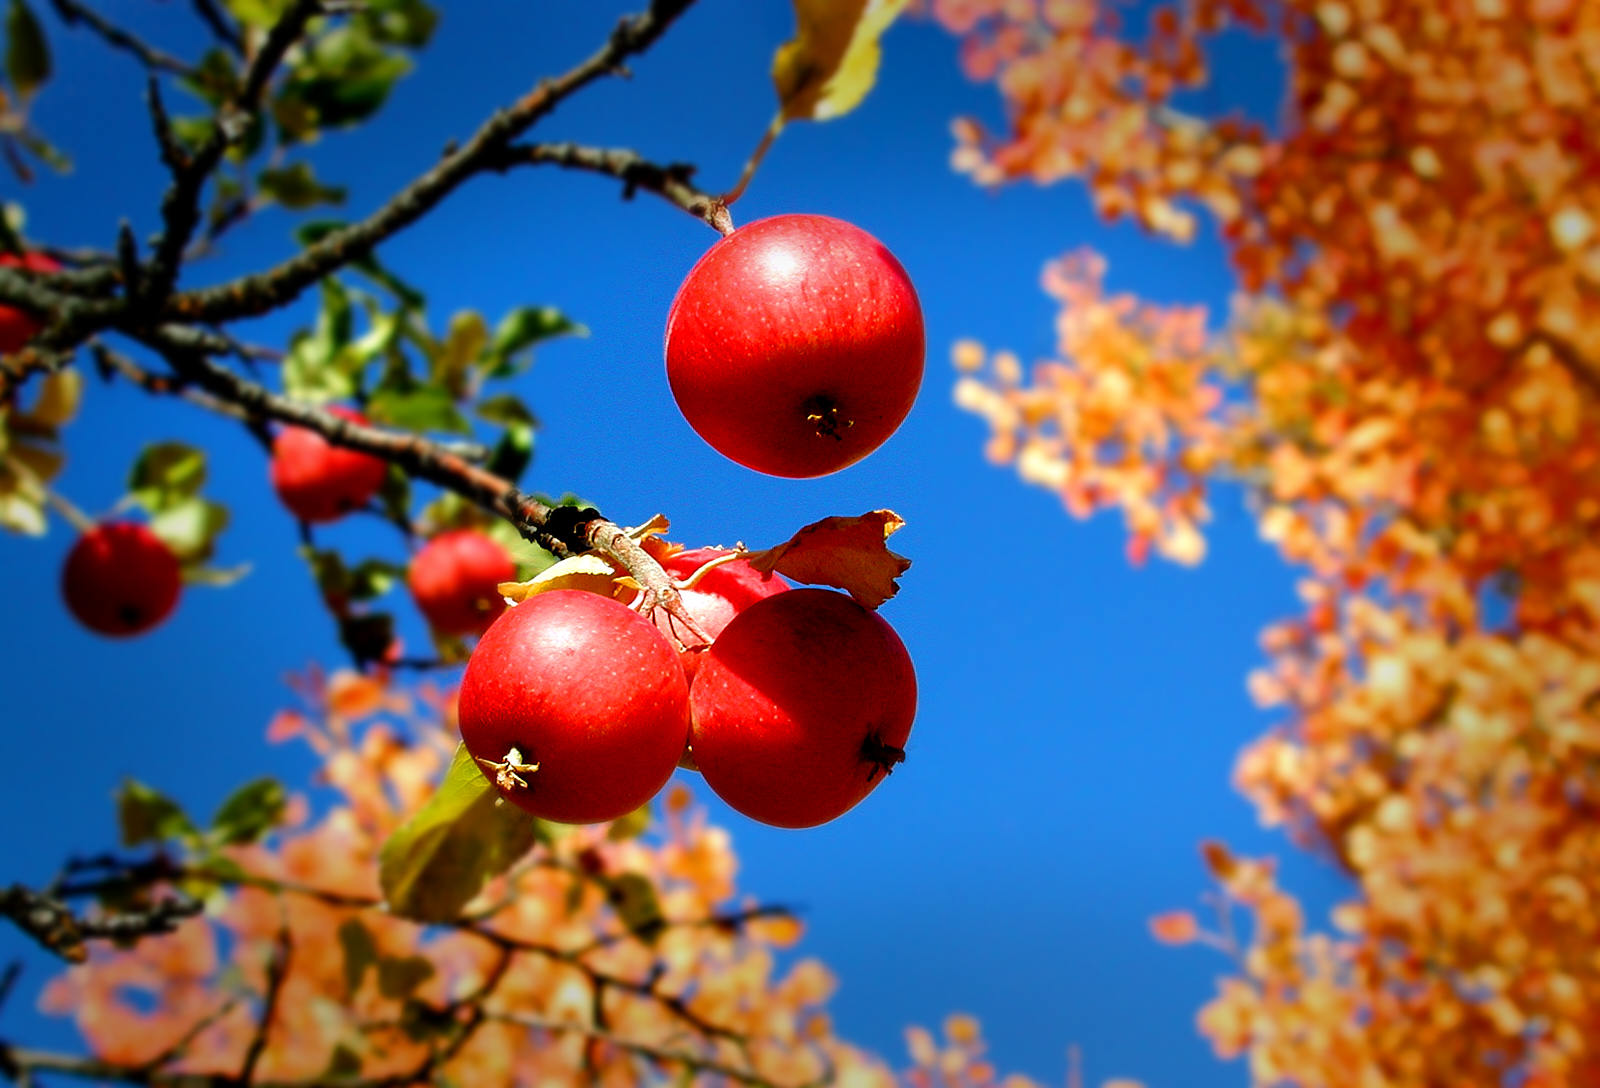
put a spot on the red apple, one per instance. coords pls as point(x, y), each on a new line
point(720, 594)
point(454, 579)
point(795, 345)
point(801, 706)
point(575, 706)
point(120, 579)
point(321, 482)
point(17, 327)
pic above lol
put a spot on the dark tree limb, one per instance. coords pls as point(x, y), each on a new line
point(53, 924)
point(253, 295)
point(73, 13)
point(218, 23)
point(670, 182)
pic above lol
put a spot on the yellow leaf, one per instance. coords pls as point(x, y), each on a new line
point(832, 62)
point(847, 553)
point(59, 394)
point(589, 573)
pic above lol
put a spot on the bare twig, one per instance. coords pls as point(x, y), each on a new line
point(670, 182)
point(53, 924)
point(224, 32)
point(257, 294)
point(277, 971)
point(72, 13)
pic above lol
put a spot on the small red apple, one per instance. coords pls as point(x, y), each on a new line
point(321, 482)
point(17, 327)
point(120, 579)
point(575, 706)
point(795, 346)
point(721, 593)
point(800, 707)
point(454, 577)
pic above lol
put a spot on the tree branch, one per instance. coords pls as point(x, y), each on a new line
point(72, 13)
point(253, 295)
point(52, 923)
point(670, 182)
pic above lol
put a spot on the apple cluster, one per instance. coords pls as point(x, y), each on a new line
point(580, 708)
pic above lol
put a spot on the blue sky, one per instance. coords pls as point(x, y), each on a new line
point(1079, 719)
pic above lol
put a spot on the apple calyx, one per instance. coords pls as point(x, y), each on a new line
point(882, 756)
point(509, 772)
point(823, 412)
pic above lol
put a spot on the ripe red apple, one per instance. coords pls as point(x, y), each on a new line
point(321, 482)
point(720, 594)
point(18, 326)
point(575, 706)
point(801, 706)
point(454, 577)
point(795, 345)
point(120, 579)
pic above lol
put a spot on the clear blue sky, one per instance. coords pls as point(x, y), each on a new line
point(1079, 718)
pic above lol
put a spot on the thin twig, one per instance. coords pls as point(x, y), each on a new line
point(72, 13)
point(257, 294)
point(220, 27)
point(277, 971)
point(670, 182)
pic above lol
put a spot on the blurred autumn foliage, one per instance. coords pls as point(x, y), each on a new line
point(612, 954)
point(1408, 389)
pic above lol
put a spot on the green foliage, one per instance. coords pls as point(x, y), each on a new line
point(30, 450)
point(166, 480)
point(436, 862)
point(249, 813)
point(27, 51)
point(296, 187)
point(147, 815)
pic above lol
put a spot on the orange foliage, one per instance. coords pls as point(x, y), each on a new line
point(540, 981)
point(1410, 390)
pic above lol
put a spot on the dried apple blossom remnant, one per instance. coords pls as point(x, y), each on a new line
point(1410, 390)
point(605, 956)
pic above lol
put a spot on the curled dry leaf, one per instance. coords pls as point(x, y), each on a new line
point(847, 553)
point(589, 573)
point(832, 62)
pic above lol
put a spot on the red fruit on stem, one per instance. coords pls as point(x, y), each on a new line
point(801, 707)
point(795, 346)
point(454, 579)
point(720, 594)
point(18, 326)
point(120, 579)
point(321, 482)
point(575, 706)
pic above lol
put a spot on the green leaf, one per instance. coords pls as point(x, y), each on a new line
point(463, 343)
point(147, 815)
point(249, 813)
point(295, 187)
point(520, 330)
point(56, 405)
point(343, 77)
point(440, 859)
point(27, 51)
point(166, 475)
point(262, 14)
point(215, 79)
point(199, 574)
point(507, 410)
point(372, 578)
point(630, 826)
point(344, 1064)
point(398, 977)
point(316, 370)
point(633, 897)
point(360, 953)
point(190, 527)
point(402, 22)
point(419, 408)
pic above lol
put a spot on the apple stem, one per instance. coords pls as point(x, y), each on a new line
point(881, 755)
point(760, 153)
point(710, 565)
point(56, 501)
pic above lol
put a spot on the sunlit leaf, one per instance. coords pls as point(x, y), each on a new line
point(250, 812)
point(189, 527)
point(588, 573)
point(440, 858)
point(832, 62)
point(848, 553)
point(166, 475)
